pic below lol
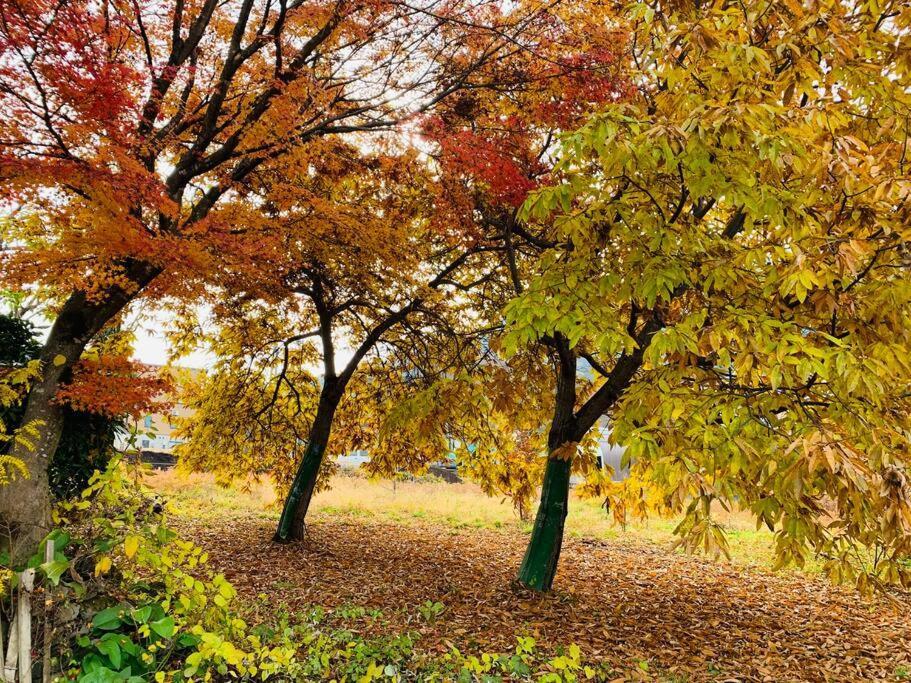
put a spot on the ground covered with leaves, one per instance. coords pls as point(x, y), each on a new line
point(652, 613)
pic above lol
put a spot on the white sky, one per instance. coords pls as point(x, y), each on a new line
point(152, 347)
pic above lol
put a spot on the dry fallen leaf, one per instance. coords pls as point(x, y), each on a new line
point(631, 601)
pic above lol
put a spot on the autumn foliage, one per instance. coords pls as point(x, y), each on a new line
point(114, 387)
point(486, 228)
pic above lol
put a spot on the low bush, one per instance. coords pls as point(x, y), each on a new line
point(137, 603)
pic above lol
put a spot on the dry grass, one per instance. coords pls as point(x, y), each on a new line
point(454, 505)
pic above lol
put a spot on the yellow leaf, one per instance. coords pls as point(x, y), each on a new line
point(131, 545)
point(59, 360)
point(565, 451)
point(103, 565)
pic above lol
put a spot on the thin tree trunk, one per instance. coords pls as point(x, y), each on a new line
point(539, 565)
point(25, 504)
point(291, 524)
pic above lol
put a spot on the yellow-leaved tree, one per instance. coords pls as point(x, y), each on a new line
point(731, 248)
point(14, 383)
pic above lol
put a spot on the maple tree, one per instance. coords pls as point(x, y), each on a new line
point(125, 125)
point(493, 150)
point(729, 250)
point(348, 261)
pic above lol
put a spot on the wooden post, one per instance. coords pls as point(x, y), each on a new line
point(48, 618)
point(2, 658)
point(12, 651)
point(24, 612)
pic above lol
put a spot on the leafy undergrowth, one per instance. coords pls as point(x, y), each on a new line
point(643, 611)
point(131, 601)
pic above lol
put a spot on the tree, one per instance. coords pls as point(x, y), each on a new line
point(347, 258)
point(473, 412)
point(731, 246)
point(125, 125)
point(94, 412)
point(494, 150)
point(559, 75)
point(387, 251)
point(245, 421)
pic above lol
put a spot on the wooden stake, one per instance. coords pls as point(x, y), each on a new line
point(48, 618)
point(24, 612)
point(12, 651)
point(2, 658)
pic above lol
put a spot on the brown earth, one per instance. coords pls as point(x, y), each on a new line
point(622, 602)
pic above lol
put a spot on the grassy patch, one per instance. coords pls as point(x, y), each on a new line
point(459, 506)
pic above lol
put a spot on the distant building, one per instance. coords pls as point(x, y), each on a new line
point(611, 455)
point(153, 435)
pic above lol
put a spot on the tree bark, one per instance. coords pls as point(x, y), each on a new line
point(570, 426)
point(539, 566)
point(25, 504)
point(291, 524)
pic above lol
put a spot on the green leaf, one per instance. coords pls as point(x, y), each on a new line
point(142, 614)
point(60, 538)
point(109, 646)
point(163, 627)
point(107, 619)
point(54, 570)
point(188, 640)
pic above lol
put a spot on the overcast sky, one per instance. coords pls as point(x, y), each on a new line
point(151, 347)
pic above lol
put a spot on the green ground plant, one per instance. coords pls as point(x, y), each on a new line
point(137, 603)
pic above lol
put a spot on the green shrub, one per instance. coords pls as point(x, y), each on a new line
point(137, 603)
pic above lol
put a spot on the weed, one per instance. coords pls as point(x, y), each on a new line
point(430, 610)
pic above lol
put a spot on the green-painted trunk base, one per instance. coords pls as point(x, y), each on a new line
point(298, 499)
point(540, 563)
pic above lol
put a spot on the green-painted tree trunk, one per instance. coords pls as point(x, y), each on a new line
point(291, 524)
point(540, 563)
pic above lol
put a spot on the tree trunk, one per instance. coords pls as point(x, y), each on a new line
point(25, 504)
point(540, 563)
point(291, 524)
